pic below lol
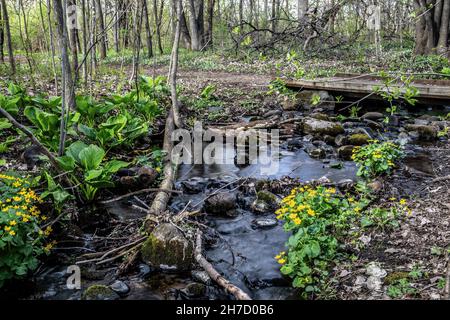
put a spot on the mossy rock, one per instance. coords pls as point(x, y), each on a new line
point(395, 276)
point(425, 132)
point(321, 127)
point(168, 249)
point(345, 152)
point(267, 196)
point(99, 292)
point(358, 139)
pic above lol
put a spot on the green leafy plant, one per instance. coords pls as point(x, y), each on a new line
point(22, 240)
point(56, 192)
point(376, 158)
point(87, 161)
point(47, 125)
point(278, 86)
point(400, 288)
point(354, 111)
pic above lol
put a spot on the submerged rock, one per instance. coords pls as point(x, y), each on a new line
point(195, 290)
point(99, 292)
point(167, 248)
point(321, 127)
point(194, 185)
point(223, 203)
point(290, 103)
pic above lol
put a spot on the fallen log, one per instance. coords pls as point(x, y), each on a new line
point(208, 267)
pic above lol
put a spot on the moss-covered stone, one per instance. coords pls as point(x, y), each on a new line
point(321, 127)
point(345, 152)
point(358, 139)
point(395, 276)
point(425, 132)
point(168, 248)
point(99, 292)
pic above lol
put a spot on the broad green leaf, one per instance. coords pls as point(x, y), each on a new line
point(91, 157)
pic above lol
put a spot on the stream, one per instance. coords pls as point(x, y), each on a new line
point(246, 242)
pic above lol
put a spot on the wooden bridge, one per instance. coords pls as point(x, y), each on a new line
point(353, 85)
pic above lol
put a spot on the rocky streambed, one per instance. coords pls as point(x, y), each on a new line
point(236, 206)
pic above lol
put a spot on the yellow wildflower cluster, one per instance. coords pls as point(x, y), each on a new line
point(299, 203)
point(19, 207)
point(281, 257)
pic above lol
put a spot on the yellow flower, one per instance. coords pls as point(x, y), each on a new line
point(402, 202)
point(351, 200)
point(311, 212)
point(282, 261)
point(16, 184)
point(12, 232)
point(158, 169)
point(12, 223)
point(7, 228)
point(297, 221)
point(331, 190)
point(392, 199)
point(25, 219)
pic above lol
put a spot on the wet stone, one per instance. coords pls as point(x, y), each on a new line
point(223, 203)
point(265, 223)
point(120, 287)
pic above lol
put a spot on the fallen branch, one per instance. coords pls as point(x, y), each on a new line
point(148, 190)
point(103, 255)
point(208, 267)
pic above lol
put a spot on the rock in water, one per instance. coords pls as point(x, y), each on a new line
point(345, 152)
point(167, 248)
point(358, 139)
point(223, 203)
point(373, 116)
point(425, 132)
point(99, 292)
point(265, 223)
point(120, 287)
point(321, 127)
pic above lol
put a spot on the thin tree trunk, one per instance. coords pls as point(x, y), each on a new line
point(158, 18)
point(174, 66)
point(148, 31)
point(195, 35)
point(209, 23)
point(443, 33)
point(63, 44)
point(52, 45)
point(2, 36)
point(8, 34)
point(73, 39)
point(99, 13)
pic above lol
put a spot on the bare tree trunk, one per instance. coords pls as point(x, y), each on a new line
point(63, 44)
point(2, 36)
point(137, 43)
point(73, 39)
point(195, 33)
point(209, 23)
point(8, 34)
point(52, 45)
point(85, 44)
point(116, 25)
point(158, 18)
point(148, 32)
point(99, 13)
point(174, 66)
point(443, 33)
point(302, 7)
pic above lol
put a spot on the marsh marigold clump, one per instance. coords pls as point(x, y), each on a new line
point(21, 238)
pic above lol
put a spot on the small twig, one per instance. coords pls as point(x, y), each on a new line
point(139, 192)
